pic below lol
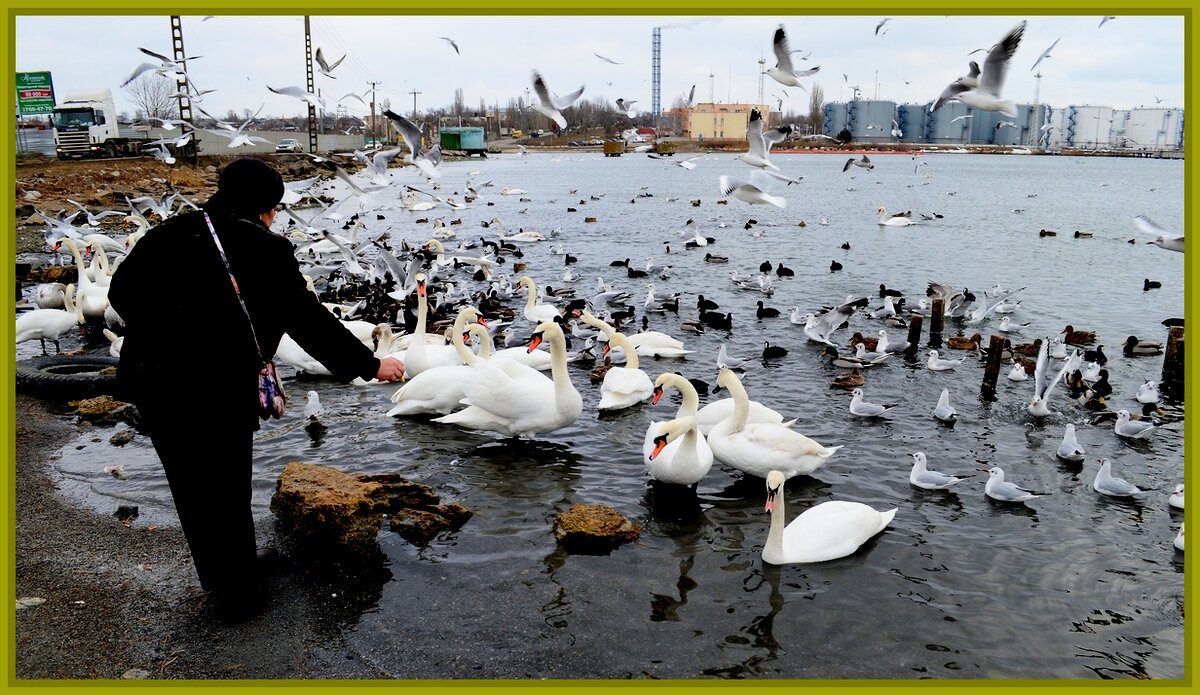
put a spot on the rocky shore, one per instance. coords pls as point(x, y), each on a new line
point(102, 600)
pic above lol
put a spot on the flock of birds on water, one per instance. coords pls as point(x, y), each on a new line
point(469, 364)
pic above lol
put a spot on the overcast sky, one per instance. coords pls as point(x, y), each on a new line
point(1128, 62)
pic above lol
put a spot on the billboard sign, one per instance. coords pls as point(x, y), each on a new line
point(35, 93)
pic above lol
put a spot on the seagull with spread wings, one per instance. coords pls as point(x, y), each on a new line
point(783, 72)
point(986, 95)
point(1045, 54)
point(326, 69)
point(428, 160)
point(450, 41)
point(551, 107)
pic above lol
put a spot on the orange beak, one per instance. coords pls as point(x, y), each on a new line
point(660, 443)
point(483, 322)
point(658, 392)
point(421, 288)
point(770, 501)
point(534, 342)
point(607, 349)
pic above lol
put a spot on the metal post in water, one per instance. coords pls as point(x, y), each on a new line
point(995, 357)
point(915, 321)
point(1172, 371)
point(937, 318)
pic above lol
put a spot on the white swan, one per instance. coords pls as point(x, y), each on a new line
point(708, 416)
point(686, 458)
point(825, 532)
point(92, 299)
point(624, 386)
point(646, 344)
point(48, 324)
point(899, 221)
point(533, 311)
point(419, 356)
point(439, 389)
point(759, 447)
point(521, 407)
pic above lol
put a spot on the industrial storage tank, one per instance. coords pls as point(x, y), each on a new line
point(835, 119)
point(912, 118)
point(950, 124)
point(871, 121)
point(1155, 129)
point(1088, 126)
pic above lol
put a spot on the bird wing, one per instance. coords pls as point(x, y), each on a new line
point(1045, 54)
point(783, 56)
point(776, 135)
point(163, 58)
point(450, 41)
point(995, 68)
point(289, 91)
point(754, 135)
point(408, 130)
point(607, 60)
point(692, 96)
point(564, 102)
point(849, 162)
point(137, 72)
point(1069, 365)
point(1146, 226)
point(950, 92)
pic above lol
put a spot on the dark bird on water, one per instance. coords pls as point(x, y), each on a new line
point(770, 351)
point(834, 266)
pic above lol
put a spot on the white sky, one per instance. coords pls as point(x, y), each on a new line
point(1129, 62)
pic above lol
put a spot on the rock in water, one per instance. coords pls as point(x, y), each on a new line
point(325, 509)
point(593, 528)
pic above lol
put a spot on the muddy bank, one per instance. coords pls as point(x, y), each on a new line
point(123, 599)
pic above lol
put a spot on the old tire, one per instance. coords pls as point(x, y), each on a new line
point(67, 377)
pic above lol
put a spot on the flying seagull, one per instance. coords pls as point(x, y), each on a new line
point(426, 161)
point(986, 95)
point(450, 41)
point(1104, 19)
point(692, 97)
point(327, 69)
point(301, 94)
point(626, 107)
point(879, 26)
point(607, 60)
point(783, 72)
point(958, 86)
point(549, 107)
point(1045, 54)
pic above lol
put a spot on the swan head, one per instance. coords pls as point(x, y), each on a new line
point(545, 330)
point(420, 284)
point(775, 481)
point(726, 378)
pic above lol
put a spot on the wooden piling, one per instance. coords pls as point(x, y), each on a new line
point(995, 357)
point(1172, 371)
point(914, 333)
point(937, 317)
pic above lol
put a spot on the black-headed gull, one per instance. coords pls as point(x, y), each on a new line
point(1045, 54)
point(926, 479)
point(326, 69)
point(1001, 491)
point(551, 107)
point(426, 161)
point(1170, 241)
point(783, 72)
point(986, 95)
point(1106, 484)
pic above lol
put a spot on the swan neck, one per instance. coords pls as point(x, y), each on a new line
point(619, 339)
point(691, 399)
point(460, 348)
point(741, 404)
point(774, 547)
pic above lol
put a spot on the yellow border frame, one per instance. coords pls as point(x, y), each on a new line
point(14, 8)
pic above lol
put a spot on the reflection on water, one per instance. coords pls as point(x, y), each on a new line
point(997, 590)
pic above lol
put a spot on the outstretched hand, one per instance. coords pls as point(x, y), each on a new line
point(390, 369)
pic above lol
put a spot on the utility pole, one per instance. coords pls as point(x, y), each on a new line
point(308, 67)
point(181, 86)
point(373, 85)
point(1032, 124)
point(761, 62)
point(414, 94)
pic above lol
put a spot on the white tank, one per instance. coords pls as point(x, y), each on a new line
point(1154, 129)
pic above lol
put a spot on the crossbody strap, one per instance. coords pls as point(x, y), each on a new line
point(233, 281)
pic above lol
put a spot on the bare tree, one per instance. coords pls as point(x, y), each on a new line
point(816, 108)
point(152, 94)
point(459, 102)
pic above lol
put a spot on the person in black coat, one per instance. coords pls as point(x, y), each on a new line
point(185, 325)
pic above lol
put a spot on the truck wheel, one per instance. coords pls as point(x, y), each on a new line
point(67, 377)
point(110, 149)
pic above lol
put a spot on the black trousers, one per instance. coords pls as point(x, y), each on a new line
point(210, 477)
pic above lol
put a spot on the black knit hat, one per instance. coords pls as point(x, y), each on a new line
point(247, 187)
